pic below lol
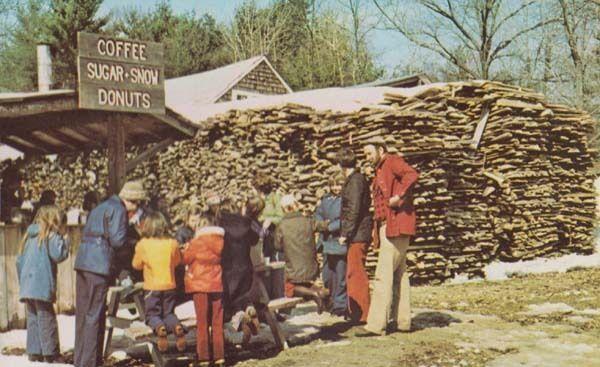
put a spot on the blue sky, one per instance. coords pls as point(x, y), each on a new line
point(389, 47)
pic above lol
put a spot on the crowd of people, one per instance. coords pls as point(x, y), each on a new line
point(208, 259)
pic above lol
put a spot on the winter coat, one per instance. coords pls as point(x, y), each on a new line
point(184, 234)
point(357, 222)
point(39, 265)
point(393, 176)
point(158, 257)
point(237, 264)
point(272, 208)
point(330, 210)
point(104, 232)
point(295, 236)
point(203, 258)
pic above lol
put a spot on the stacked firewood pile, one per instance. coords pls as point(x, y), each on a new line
point(521, 189)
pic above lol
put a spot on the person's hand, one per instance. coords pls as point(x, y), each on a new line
point(266, 223)
point(342, 240)
point(394, 201)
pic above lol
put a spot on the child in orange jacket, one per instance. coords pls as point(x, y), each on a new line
point(203, 279)
point(157, 255)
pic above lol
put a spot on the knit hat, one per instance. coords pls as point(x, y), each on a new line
point(288, 200)
point(212, 198)
point(133, 191)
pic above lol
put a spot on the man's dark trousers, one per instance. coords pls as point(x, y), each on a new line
point(90, 318)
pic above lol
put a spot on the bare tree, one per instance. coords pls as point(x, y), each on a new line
point(471, 35)
point(362, 21)
point(256, 31)
point(579, 32)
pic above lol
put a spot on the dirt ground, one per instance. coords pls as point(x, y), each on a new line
point(537, 320)
point(547, 320)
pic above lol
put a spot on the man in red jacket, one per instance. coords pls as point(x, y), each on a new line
point(396, 222)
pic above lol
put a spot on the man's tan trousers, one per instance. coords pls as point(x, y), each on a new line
point(390, 301)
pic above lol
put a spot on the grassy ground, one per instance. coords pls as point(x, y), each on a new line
point(579, 289)
point(474, 324)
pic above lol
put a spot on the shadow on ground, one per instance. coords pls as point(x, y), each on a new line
point(432, 319)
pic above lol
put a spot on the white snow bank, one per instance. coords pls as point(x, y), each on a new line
point(502, 270)
point(334, 99)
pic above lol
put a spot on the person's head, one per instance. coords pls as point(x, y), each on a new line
point(192, 216)
point(346, 158)
point(90, 200)
point(254, 206)
point(374, 152)
point(335, 183)
point(133, 194)
point(289, 203)
point(155, 225)
point(263, 183)
point(48, 197)
point(206, 221)
point(51, 220)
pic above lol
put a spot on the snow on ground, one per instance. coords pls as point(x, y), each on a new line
point(502, 270)
point(302, 324)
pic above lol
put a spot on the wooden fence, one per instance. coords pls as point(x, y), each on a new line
point(12, 312)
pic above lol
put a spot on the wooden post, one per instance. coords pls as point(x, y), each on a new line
point(116, 154)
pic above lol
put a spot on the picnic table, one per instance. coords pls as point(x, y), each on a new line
point(270, 285)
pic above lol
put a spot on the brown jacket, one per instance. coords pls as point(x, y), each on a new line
point(295, 235)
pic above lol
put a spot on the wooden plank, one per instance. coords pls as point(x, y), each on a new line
point(92, 45)
point(65, 277)
point(66, 101)
point(95, 97)
point(3, 281)
point(285, 302)
point(16, 309)
point(481, 127)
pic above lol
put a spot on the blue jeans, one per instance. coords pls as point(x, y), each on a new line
point(334, 278)
point(160, 309)
point(42, 328)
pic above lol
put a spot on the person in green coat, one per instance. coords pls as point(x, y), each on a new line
point(271, 215)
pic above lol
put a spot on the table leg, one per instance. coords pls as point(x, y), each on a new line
point(113, 307)
point(270, 318)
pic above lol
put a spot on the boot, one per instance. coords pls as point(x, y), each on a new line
point(35, 358)
point(57, 358)
point(253, 317)
point(246, 331)
point(309, 293)
point(220, 363)
point(161, 342)
point(180, 343)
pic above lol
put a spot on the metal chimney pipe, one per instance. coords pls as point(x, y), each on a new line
point(44, 66)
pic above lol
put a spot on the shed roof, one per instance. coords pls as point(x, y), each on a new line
point(207, 87)
point(51, 122)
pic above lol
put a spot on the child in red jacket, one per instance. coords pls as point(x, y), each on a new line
point(203, 279)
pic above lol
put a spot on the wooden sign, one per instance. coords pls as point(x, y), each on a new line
point(120, 75)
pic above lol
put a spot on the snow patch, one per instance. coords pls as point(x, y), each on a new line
point(547, 308)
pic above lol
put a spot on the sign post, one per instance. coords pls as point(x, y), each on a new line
point(120, 76)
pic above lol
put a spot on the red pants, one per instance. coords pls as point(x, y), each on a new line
point(357, 282)
point(209, 314)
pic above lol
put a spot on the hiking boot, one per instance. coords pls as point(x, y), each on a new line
point(161, 341)
point(180, 342)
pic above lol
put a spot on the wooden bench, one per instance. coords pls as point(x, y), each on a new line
point(115, 297)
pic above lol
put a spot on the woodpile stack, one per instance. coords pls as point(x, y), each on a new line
point(504, 174)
